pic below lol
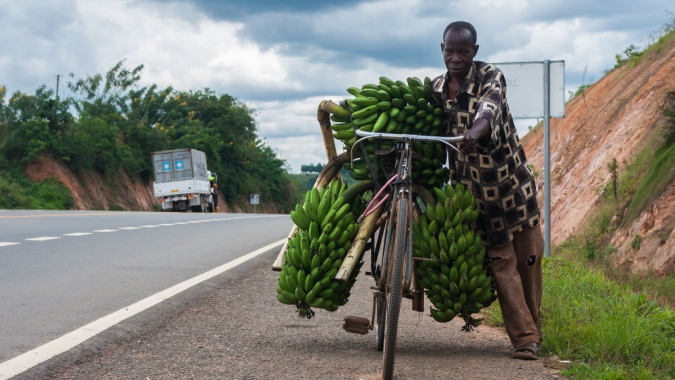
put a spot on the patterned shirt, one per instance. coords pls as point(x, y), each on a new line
point(496, 173)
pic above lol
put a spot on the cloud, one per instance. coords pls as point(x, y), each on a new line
point(238, 9)
point(282, 58)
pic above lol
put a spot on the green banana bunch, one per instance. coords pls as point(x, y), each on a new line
point(394, 107)
point(327, 225)
point(429, 171)
point(455, 277)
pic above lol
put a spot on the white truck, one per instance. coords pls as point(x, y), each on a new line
point(182, 181)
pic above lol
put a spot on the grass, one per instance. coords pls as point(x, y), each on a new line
point(661, 173)
point(607, 330)
point(18, 192)
point(612, 323)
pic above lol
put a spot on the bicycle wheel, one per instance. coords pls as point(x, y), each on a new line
point(396, 293)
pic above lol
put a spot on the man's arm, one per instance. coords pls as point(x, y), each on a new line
point(479, 129)
point(488, 107)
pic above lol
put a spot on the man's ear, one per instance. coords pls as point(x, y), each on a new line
point(442, 46)
point(475, 50)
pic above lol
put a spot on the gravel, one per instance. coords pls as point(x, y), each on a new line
point(232, 327)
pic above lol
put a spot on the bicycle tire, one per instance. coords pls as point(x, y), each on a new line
point(396, 293)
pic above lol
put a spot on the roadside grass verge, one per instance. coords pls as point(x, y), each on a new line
point(608, 331)
point(18, 192)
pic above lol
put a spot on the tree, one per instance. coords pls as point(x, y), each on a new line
point(311, 168)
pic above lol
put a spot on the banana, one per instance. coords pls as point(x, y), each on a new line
point(366, 111)
point(381, 122)
point(365, 101)
point(301, 220)
point(300, 294)
point(354, 91)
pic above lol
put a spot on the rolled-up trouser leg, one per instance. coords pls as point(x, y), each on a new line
point(529, 248)
point(520, 326)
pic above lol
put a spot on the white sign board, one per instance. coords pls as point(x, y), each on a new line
point(525, 88)
point(255, 199)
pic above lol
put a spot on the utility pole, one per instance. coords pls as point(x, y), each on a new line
point(58, 77)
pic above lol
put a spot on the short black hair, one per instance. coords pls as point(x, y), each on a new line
point(458, 26)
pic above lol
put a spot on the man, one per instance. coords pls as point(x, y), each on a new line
point(493, 166)
point(214, 192)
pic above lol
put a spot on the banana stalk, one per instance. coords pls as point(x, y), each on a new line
point(333, 108)
point(323, 116)
point(366, 230)
point(330, 171)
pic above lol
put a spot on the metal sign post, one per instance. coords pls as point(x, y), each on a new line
point(255, 200)
point(528, 83)
point(547, 158)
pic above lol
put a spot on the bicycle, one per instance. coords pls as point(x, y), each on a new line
point(393, 272)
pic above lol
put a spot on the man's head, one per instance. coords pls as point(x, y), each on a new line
point(459, 47)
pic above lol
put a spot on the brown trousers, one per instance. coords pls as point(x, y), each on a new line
point(518, 276)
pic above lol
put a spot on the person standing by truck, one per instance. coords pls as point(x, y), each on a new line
point(493, 165)
point(214, 190)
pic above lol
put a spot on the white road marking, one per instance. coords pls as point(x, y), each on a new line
point(105, 230)
point(166, 224)
point(79, 234)
point(44, 238)
point(5, 244)
point(150, 226)
point(28, 360)
point(130, 228)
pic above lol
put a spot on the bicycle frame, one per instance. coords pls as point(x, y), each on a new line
point(396, 271)
point(404, 172)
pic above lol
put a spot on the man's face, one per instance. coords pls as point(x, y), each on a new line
point(458, 52)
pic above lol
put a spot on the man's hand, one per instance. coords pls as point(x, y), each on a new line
point(479, 129)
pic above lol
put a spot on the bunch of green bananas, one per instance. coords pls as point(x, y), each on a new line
point(394, 107)
point(326, 228)
point(429, 171)
point(455, 278)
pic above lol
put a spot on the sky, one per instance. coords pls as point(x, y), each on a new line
point(282, 58)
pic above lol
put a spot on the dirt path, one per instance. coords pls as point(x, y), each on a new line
point(233, 328)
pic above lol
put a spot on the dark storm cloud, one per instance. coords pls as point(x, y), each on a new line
point(236, 10)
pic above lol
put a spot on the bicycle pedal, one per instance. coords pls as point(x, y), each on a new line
point(357, 325)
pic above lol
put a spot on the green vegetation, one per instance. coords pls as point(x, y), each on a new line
point(603, 327)
point(19, 192)
point(112, 123)
point(311, 168)
point(633, 55)
point(303, 183)
point(662, 170)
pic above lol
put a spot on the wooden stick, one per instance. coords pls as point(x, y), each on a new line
point(366, 230)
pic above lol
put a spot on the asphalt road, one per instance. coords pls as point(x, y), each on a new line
point(60, 270)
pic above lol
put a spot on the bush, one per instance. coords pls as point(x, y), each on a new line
point(18, 192)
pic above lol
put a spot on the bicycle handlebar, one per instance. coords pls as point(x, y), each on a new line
point(396, 136)
point(402, 137)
